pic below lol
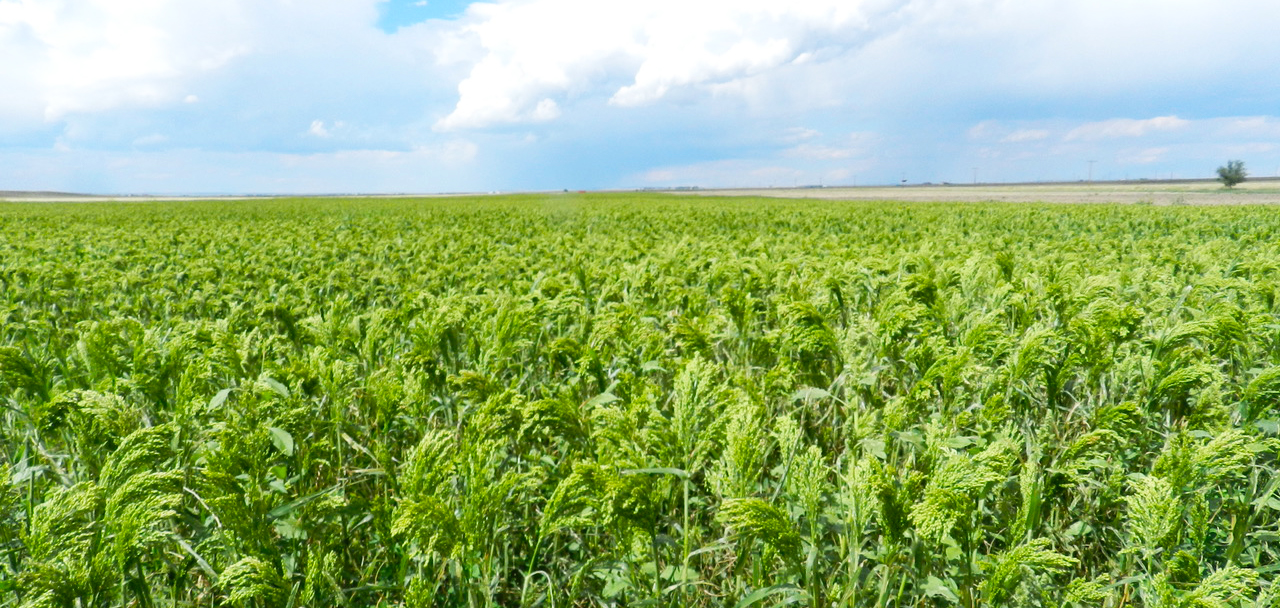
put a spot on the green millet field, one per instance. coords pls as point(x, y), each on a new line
point(638, 400)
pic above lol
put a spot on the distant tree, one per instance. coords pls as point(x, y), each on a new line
point(1232, 174)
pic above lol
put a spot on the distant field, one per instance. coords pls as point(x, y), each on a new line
point(1156, 193)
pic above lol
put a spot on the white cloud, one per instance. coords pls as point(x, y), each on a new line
point(100, 54)
point(994, 130)
point(659, 176)
point(1249, 127)
point(800, 165)
point(1125, 127)
point(818, 152)
point(728, 173)
point(850, 146)
point(651, 79)
point(455, 151)
point(317, 129)
point(534, 51)
point(1025, 135)
point(984, 129)
point(444, 167)
point(1009, 133)
point(546, 109)
point(798, 134)
point(150, 140)
point(82, 57)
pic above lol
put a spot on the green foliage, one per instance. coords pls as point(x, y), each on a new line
point(1232, 173)
point(1012, 566)
point(956, 486)
point(754, 519)
point(252, 581)
point(1154, 513)
point(622, 400)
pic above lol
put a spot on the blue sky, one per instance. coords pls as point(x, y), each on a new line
point(279, 96)
point(395, 14)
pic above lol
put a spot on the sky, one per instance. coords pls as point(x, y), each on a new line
point(399, 96)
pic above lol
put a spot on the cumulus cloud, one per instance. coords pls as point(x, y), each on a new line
point(88, 57)
point(94, 55)
point(532, 52)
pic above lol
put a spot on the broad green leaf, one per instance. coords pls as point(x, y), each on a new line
point(756, 596)
point(282, 440)
point(601, 399)
point(934, 587)
point(276, 386)
point(810, 393)
point(220, 398)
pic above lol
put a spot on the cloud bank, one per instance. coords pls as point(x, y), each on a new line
point(532, 52)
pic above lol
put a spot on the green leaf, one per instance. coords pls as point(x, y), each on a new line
point(25, 473)
point(601, 399)
point(291, 506)
point(220, 398)
point(934, 587)
point(282, 440)
point(711, 548)
point(809, 393)
point(614, 587)
point(200, 561)
point(681, 473)
point(874, 446)
point(960, 442)
point(276, 386)
point(792, 591)
point(289, 529)
point(1077, 529)
point(652, 366)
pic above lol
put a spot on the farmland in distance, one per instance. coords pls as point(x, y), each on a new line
point(638, 400)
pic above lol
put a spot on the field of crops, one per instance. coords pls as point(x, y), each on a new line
point(619, 400)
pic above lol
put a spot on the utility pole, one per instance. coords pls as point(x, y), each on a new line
point(1091, 170)
point(975, 176)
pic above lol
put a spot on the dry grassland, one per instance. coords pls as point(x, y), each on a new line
point(1156, 193)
